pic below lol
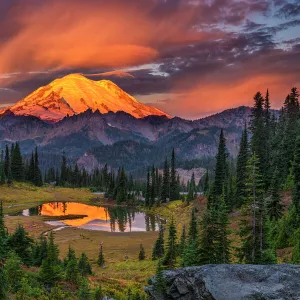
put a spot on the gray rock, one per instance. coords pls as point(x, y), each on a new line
point(230, 282)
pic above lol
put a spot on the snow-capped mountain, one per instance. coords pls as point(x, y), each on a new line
point(75, 94)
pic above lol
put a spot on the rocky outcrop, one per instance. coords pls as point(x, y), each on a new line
point(230, 282)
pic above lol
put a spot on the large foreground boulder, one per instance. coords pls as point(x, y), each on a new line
point(230, 282)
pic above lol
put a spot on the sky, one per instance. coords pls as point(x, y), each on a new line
point(190, 58)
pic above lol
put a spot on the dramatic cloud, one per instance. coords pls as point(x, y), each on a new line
point(193, 57)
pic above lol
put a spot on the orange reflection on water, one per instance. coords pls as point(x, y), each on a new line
point(69, 208)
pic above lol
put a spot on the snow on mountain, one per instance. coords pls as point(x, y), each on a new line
point(74, 94)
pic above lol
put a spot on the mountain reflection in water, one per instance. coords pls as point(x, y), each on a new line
point(114, 219)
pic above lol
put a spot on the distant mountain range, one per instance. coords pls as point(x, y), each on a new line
point(94, 138)
point(96, 122)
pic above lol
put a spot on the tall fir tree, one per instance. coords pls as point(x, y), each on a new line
point(274, 204)
point(171, 253)
point(159, 248)
point(241, 167)
point(17, 166)
point(221, 171)
point(37, 174)
point(252, 226)
point(101, 260)
point(174, 191)
point(165, 190)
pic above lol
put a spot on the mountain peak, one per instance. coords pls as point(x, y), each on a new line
point(74, 94)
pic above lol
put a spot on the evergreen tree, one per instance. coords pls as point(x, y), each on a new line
point(17, 166)
point(63, 170)
point(121, 195)
point(21, 243)
point(4, 237)
point(158, 249)
point(4, 282)
point(241, 168)
point(192, 189)
point(30, 174)
point(37, 174)
point(84, 266)
point(148, 190)
point(84, 290)
point(274, 205)
point(182, 241)
point(171, 253)
point(160, 283)
point(101, 260)
point(258, 141)
point(221, 170)
point(296, 250)
point(142, 255)
point(222, 242)
point(174, 195)
point(252, 227)
point(50, 269)
point(206, 183)
point(296, 173)
point(7, 163)
point(193, 230)
point(72, 271)
point(14, 271)
point(165, 190)
point(208, 234)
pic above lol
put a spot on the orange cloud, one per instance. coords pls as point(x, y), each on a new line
point(208, 96)
point(86, 34)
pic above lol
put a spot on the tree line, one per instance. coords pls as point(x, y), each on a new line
point(267, 165)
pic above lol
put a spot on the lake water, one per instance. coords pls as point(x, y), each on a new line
point(113, 219)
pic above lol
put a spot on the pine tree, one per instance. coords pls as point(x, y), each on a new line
point(50, 269)
point(160, 283)
point(296, 250)
point(101, 260)
point(63, 170)
point(147, 196)
point(14, 271)
point(121, 187)
point(192, 189)
point(252, 227)
point(7, 163)
point(173, 179)
point(4, 237)
point(182, 243)
point(193, 230)
point(158, 249)
point(142, 255)
point(37, 174)
point(165, 190)
point(208, 234)
point(206, 183)
point(296, 173)
point(241, 167)
point(221, 171)
point(30, 174)
point(72, 271)
point(21, 243)
point(84, 266)
point(4, 282)
point(17, 166)
point(222, 242)
point(84, 290)
point(2, 174)
point(258, 141)
point(274, 205)
point(171, 253)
